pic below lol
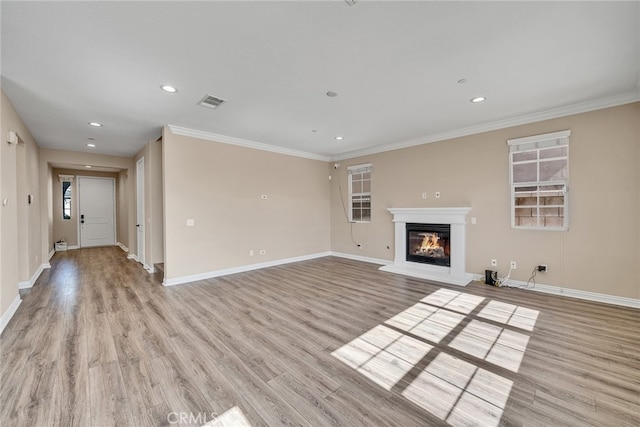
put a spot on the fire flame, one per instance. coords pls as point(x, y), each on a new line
point(430, 241)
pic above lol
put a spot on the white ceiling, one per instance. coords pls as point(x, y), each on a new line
point(395, 66)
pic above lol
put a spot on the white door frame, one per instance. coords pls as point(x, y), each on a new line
point(77, 190)
point(140, 217)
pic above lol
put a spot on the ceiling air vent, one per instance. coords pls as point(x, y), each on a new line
point(210, 101)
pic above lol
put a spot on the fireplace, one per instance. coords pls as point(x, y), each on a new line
point(428, 243)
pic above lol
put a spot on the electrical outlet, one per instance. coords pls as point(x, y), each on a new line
point(251, 252)
point(437, 194)
point(359, 246)
point(263, 251)
point(542, 268)
point(494, 263)
point(513, 265)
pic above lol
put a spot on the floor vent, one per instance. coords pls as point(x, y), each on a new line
point(211, 101)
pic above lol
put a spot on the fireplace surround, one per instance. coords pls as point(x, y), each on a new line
point(455, 219)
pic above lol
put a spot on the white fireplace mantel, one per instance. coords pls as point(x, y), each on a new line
point(457, 218)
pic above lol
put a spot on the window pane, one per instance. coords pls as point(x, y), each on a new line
point(553, 152)
point(366, 175)
point(366, 186)
point(356, 187)
point(366, 215)
point(525, 172)
point(66, 200)
point(553, 170)
point(525, 155)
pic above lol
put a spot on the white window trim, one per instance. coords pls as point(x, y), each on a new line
point(536, 142)
point(350, 171)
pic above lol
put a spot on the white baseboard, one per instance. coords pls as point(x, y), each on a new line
point(123, 247)
point(72, 247)
point(133, 257)
point(378, 261)
point(51, 254)
point(241, 269)
point(150, 268)
point(576, 293)
point(29, 283)
point(7, 315)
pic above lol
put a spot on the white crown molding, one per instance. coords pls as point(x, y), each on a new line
point(583, 107)
point(240, 269)
point(7, 315)
point(178, 130)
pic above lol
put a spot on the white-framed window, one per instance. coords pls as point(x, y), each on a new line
point(539, 176)
point(67, 188)
point(360, 193)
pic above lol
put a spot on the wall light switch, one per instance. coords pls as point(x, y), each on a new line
point(437, 194)
point(190, 223)
point(424, 195)
point(473, 220)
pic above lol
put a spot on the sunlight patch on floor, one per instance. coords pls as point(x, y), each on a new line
point(383, 355)
point(452, 389)
point(231, 418)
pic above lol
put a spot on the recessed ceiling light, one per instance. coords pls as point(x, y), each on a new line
point(332, 94)
point(91, 145)
point(478, 99)
point(168, 88)
point(88, 166)
point(96, 124)
point(339, 138)
point(462, 81)
point(314, 130)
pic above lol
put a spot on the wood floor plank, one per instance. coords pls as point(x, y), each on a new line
point(99, 341)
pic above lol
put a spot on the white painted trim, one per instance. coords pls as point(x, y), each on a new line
point(51, 254)
point(123, 247)
point(133, 257)
point(150, 268)
point(565, 134)
point(72, 247)
point(370, 260)
point(209, 136)
point(7, 315)
point(576, 293)
point(584, 107)
point(29, 283)
point(240, 269)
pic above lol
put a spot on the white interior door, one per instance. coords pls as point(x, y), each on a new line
point(96, 201)
point(140, 209)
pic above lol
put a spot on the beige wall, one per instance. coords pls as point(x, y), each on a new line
point(219, 186)
point(76, 161)
point(473, 171)
point(20, 255)
point(154, 230)
point(68, 229)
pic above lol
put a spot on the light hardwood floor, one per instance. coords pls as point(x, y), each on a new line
point(99, 341)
